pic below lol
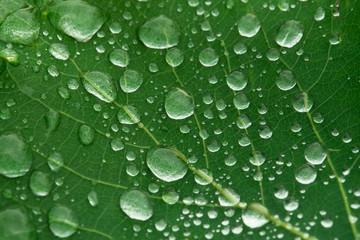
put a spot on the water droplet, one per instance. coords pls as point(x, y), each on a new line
point(302, 102)
point(254, 219)
point(62, 221)
point(248, 25)
point(73, 84)
point(159, 33)
point(52, 120)
point(244, 140)
point(128, 115)
point(240, 48)
point(136, 204)
point(213, 146)
point(40, 183)
point(272, 54)
point(93, 198)
point(265, 132)
point(306, 174)
point(315, 153)
point(291, 204)
point(327, 223)
point(203, 177)
point(319, 14)
point(208, 57)
point(334, 39)
point(14, 30)
point(119, 57)
point(81, 25)
point(53, 70)
point(230, 160)
point(286, 80)
point(117, 145)
point(318, 118)
point(132, 170)
point(241, 101)
point(153, 188)
point(15, 224)
point(86, 134)
point(243, 121)
point(59, 51)
point(130, 81)
point(15, 156)
point(236, 80)
point(115, 27)
point(178, 104)
point(100, 85)
point(170, 196)
point(257, 158)
point(290, 33)
point(174, 57)
point(229, 197)
point(166, 164)
point(55, 161)
point(160, 225)
point(281, 192)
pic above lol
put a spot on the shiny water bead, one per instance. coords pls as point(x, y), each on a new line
point(59, 51)
point(165, 164)
point(208, 57)
point(236, 80)
point(248, 25)
point(290, 33)
point(174, 57)
point(286, 80)
point(136, 205)
point(305, 174)
point(178, 104)
point(131, 81)
point(128, 115)
point(100, 85)
point(159, 33)
point(77, 19)
point(63, 222)
point(15, 156)
point(315, 153)
point(119, 57)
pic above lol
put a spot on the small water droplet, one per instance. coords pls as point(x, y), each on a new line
point(128, 115)
point(170, 196)
point(174, 57)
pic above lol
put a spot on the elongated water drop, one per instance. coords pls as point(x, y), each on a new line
point(229, 197)
point(55, 161)
point(166, 164)
point(59, 51)
point(40, 183)
point(86, 134)
point(178, 104)
point(15, 156)
point(136, 205)
point(159, 33)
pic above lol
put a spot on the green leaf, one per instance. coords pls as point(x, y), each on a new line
point(179, 119)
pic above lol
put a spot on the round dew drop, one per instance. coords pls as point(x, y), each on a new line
point(62, 221)
point(86, 134)
point(128, 115)
point(119, 57)
point(248, 25)
point(286, 80)
point(174, 57)
point(302, 102)
point(136, 205)
point(40, 183)
point(178, 104)
point(170, 196)
point(208, 57)
point(93, 198)
point(315, 153)
point(131, 81)
point(236, 80)
point(166, 164)
point(229, 198)
point(254, 219)
point(15, 156)
point(306, 174)
point(241, 101)
point(100, 85)
point(59, 51)
point(159, 33)
point(290, 33)
point(257, 158)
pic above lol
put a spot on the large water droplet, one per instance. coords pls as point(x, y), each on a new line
point(20, 27)
point(86, 134)
point(55, 161)
point(243, 121)
point(15, 156)
point(130, 81)
point(166, 164)
point(178, 104)
point(128, 115)
point(100, 85)
point(306, 174)
point(119, 57)
point(208, 57)
point(236, 80)
point(203, 177)
point(77, 19)
point(290, 33)
point(229, 197)
point(319, 14)
point(136, 204)
point(62, 221)
point(174, 57)
point(254, 219)
point(302, 102)
point(241, 101)
point(159, 33)
point(257, 158)
point(40, 183)
point(286, 80)
point(15, 224)
point(170, 196)
point(315, 153)
point(59, 51)
point(248, 25)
